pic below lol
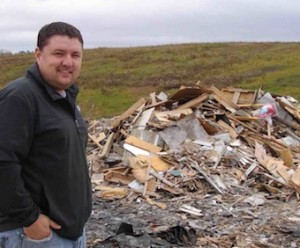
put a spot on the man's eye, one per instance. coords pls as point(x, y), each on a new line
point(58, 54)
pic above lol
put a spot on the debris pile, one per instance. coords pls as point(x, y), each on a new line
point(227, 147)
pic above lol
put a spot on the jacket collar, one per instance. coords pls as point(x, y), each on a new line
point(35, 73)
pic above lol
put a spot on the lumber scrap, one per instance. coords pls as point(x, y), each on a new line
point(224, 100)
point(161, 178)
point(187, 93)
point(240, 96)
point(98, 139)
point(128, 112)
point(156, 203)
point(172, 115)
point(206, 175)
point(230, 129)
point(119, 176)
point(106, 148)
point(295, 112)
point(295, 179)
point(111, 193)
point(134, 141)
point(191, 210)
point(194, 102)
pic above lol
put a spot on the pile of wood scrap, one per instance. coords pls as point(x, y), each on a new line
point(199, 139)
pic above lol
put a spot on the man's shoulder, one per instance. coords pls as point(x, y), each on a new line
point(22, 85)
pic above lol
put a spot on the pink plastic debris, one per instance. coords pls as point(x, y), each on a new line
point(266, 112)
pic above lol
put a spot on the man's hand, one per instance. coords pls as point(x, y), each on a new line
point(41, 228)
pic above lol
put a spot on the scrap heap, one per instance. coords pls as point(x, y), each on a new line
point(241, 144)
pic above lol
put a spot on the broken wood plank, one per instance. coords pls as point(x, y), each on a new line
point(187, 93)
point(98, 139)
point(161, 178)
point(147, 178)
point(107, 146)
point(156, 203)
point(134, 141)
point(136, 150)
point(154, 161)
point(295, 179)
point(111, 193)
point(240, 96)
point(233, 118)
point(118, 177)
point(252, 105)
point(233, 133)
point(225, 103)
point(223, 99)
point(172, 115)
point(286, 156)
point(194, 102)
point(153, 98)
point(191, 210)
point(295, 112)
point(247, 118)
point(128, 112)
point(206, 175)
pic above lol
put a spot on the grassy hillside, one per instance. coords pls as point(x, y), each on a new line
point(113, 78)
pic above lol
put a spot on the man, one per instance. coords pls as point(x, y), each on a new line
point(45, 192)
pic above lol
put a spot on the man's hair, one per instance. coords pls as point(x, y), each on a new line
point(57, 28)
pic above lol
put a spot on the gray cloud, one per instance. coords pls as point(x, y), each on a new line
point(123, 23)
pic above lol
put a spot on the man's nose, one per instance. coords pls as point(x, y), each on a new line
point(68, 60)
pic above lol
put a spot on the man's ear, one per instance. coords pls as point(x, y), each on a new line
point(37, 54)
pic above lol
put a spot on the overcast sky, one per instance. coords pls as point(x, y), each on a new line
point(125, 23)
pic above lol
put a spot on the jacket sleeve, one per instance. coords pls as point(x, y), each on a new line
point(16, 132)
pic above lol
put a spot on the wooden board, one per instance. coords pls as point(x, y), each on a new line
point(131, 140)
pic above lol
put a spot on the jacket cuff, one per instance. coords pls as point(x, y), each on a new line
point(32, 217)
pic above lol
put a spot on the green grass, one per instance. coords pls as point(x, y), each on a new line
point(114, 78)
point(108, 102)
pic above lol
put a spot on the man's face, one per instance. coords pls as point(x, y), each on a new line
point(60, 61)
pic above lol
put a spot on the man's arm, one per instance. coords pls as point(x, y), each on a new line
point(16, 135)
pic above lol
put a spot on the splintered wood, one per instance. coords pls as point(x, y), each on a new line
point(201, 139)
